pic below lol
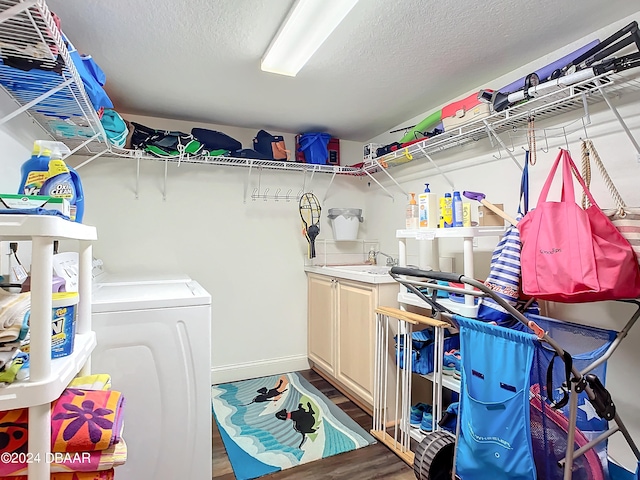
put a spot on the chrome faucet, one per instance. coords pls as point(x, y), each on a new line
point(373, 256)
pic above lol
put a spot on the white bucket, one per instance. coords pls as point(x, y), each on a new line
point(345, 223)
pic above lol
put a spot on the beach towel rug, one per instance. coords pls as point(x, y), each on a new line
point(273, 423)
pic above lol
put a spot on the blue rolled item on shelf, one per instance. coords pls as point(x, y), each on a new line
point(314, 146)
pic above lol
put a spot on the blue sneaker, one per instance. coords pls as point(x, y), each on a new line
point(426, 425)
point(451, 363)
point(418, 412)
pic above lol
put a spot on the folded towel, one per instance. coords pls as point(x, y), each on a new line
point(75, 462)
point(4, 347)
point(104, 475)
point(86, 420)
point(13, 307)
point(81, 421)
point(99, 381)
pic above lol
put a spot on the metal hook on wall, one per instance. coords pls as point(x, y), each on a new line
point(499, 156)
point(546, 141)
point(584, 127)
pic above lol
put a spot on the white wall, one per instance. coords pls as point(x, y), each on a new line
point(475, 168)
point(249, 256)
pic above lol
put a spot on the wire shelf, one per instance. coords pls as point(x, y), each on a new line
point(52, 94)
point(564, 100)
point(238, 162)
point(55, 97)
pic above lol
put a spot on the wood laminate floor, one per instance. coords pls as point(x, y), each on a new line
point(368, 463)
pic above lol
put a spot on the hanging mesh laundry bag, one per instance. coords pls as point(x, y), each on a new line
point(314, 146)
point(586, 345)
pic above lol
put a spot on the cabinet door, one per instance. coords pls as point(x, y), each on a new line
point(321, 321)
point(356, 337)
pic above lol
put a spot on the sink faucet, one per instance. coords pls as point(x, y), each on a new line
point(373, 256)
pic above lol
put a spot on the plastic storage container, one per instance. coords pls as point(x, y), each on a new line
point(315, 147)
point(63, 324)
point(345, 223)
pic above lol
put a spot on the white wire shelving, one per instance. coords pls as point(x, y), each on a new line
point(53, 95)
point(563, 100)
point(58, 102)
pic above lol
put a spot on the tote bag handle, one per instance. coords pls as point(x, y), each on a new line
point(568, 168)
point(588, 150)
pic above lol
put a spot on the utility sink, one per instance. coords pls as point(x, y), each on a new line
point(375, 274)
point(369, 269)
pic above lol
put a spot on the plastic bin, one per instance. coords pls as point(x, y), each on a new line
point(345, 223)
point(315, 147)
point(63, 324)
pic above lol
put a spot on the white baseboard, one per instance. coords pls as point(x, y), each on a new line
point(244, 371)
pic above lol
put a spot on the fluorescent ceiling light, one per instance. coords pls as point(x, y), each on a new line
point(308, 24)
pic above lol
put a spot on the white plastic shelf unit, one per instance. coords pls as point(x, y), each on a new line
point(53, 95)
point(563, 100)
point(467, 234)
point(47, 377)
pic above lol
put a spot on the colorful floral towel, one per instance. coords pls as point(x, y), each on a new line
point(105, 475)
point(86, 420)
point(81, 421)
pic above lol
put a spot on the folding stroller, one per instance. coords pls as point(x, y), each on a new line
point(522, 395)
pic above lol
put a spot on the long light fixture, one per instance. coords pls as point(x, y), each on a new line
point(308, 24)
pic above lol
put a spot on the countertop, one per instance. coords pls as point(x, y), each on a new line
point(375, 274)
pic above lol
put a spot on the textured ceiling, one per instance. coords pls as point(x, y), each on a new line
point(387, 62)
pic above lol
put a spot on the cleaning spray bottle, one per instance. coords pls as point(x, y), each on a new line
point(63, 181)
point(412, 213)
point(34, 171)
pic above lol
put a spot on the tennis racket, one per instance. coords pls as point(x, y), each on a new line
point(310, 214)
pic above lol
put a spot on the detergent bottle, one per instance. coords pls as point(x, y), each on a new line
point(35, 170)
point(63, 181)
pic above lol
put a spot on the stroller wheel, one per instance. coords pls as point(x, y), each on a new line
point(434, 456)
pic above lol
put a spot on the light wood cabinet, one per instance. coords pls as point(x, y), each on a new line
point(341, 331)
point(321, 328)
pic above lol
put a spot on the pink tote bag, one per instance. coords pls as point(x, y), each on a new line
point(573, 255)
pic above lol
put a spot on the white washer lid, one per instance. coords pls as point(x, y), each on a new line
point(127, 278)
point(116, 297)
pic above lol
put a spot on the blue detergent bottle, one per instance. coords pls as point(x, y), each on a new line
point(35, 170)
point(63, 181)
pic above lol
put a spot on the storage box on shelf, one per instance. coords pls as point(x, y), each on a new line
point(47, 377)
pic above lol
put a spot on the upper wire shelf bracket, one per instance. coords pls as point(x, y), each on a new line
point(241, 162)
point(557, 102)
point(53, 95)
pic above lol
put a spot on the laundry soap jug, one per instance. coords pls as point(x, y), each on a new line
point(35, 170)
point(412, 213)
point(63, 181)
point(428, 208)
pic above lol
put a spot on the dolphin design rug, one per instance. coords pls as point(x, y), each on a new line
point(273, 423)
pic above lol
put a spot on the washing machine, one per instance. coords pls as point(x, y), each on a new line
point(154, 339)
